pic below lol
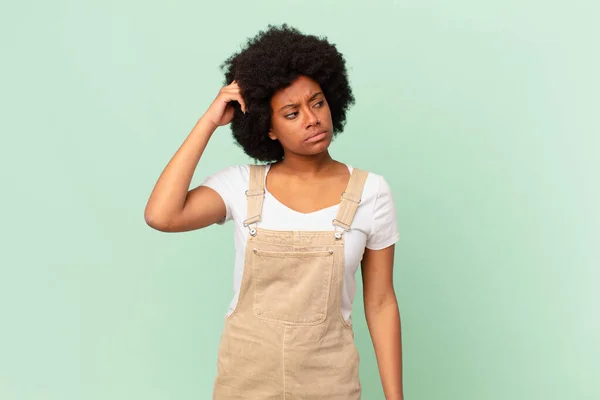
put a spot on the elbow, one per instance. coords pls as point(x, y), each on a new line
point(152, 223)
point(375, 304)
point(155, 222)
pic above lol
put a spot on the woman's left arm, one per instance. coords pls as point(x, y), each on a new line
point(383, 318)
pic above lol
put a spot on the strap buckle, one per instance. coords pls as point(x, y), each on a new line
point(251, 230)
point(247, 224)
point(259, 193)
point(345, 228)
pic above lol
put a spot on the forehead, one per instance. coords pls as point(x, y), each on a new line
point(302, 88)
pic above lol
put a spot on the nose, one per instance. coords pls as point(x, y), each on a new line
point(312, 118)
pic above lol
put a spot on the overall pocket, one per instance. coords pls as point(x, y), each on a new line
point(292, 286)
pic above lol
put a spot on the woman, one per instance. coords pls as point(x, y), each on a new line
point(303, 223)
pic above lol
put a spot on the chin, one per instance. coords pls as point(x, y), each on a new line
point(319, 147)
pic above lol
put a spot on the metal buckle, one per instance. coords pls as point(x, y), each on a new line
point(247, 225)
point(255, 194)
point(338, 234)
point(252, 231)
point(337, 220)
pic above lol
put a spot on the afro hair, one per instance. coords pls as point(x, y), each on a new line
point(272, 60)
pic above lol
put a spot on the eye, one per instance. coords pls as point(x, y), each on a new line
point(320, 103)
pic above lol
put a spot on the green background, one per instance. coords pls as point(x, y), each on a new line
point(482, 116)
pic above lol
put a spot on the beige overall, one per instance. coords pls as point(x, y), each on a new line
point(287, 338)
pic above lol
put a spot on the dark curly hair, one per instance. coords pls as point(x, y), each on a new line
point(272, 60)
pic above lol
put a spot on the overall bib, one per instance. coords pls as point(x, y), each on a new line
point(286, 337)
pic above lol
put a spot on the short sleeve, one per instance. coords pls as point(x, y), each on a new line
point(384, 230)
point(225, 183)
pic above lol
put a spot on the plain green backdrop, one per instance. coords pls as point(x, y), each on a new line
point(482, 116)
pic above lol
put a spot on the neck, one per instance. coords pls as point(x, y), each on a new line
point(306, 166)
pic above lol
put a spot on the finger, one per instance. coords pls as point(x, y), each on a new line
point(242, 104)
point(237, 97)
point(240, 99)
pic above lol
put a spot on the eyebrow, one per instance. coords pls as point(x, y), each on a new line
point(296, 105)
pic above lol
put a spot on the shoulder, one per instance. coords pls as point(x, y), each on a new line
point(377, 198)
point(381, 210)
point(375, 186)
point(232, 174)
point(229, 180)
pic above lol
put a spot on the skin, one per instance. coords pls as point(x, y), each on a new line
point(306, 180)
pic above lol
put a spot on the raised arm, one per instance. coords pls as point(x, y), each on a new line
point(172, 207)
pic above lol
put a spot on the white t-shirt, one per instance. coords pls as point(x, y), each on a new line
point(374, 225)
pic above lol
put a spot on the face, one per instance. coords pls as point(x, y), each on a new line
point(295, 112)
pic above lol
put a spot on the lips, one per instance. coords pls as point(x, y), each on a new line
point(316, 136)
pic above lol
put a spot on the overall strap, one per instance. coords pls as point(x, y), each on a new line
point(350, 200)
point(255, 193)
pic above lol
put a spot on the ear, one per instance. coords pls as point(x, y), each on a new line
point(272, 135)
